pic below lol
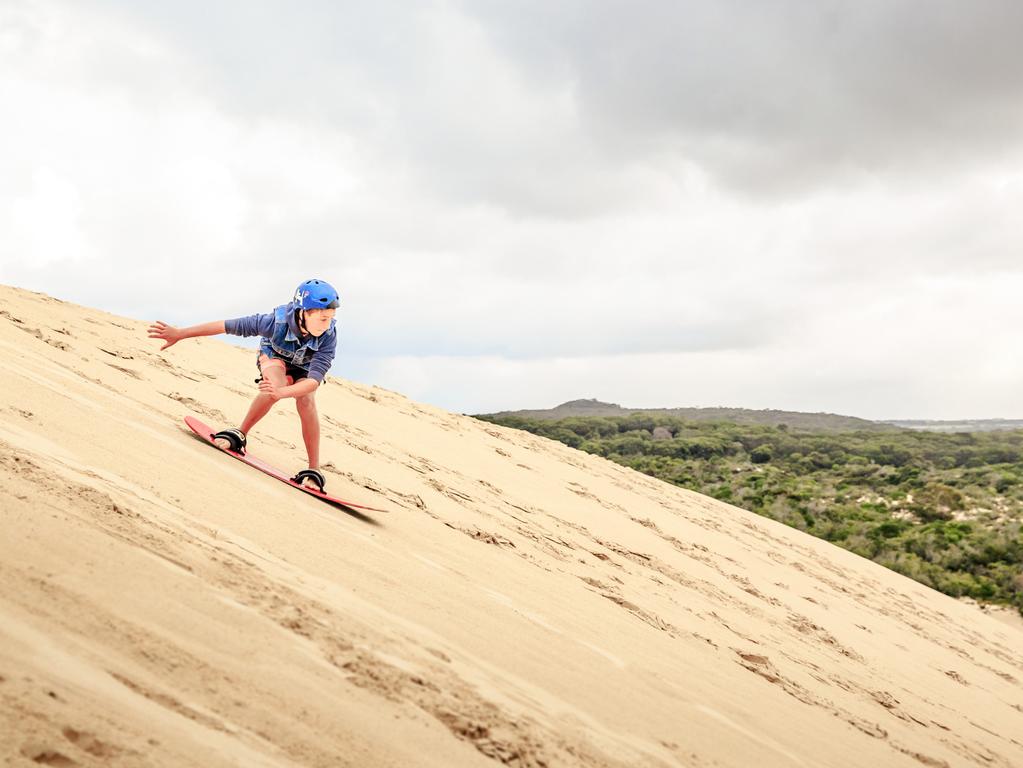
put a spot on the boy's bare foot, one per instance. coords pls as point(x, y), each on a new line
point(311, 478)
point(233, 439)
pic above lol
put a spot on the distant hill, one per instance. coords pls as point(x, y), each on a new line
point(962, 425)
point(826, 422)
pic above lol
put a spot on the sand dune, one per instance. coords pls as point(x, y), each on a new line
point(521, 603)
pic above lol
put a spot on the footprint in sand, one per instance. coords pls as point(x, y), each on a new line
point(89, 743)
point(43, 755)
point(213, 413)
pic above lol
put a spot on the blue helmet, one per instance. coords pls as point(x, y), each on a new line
point(316, 294)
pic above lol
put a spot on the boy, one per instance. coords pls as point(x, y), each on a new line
point(296, 349)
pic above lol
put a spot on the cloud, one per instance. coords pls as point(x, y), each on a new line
point(931, 347)
point(580, 109)
point(118, 158)
point(685, 203)
point(785, 96)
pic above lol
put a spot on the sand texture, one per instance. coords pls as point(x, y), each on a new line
point(162, 604)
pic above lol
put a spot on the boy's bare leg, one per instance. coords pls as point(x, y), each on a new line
point(273, 370)
point(310, 419)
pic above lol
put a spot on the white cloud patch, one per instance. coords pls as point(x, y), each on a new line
point(120, 158)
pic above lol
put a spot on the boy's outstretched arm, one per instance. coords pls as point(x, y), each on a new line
point(172, 335)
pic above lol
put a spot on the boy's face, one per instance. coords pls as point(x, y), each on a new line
point(317, 321)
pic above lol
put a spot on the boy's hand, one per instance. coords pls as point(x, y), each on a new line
point(267, 387)
point(170, 334)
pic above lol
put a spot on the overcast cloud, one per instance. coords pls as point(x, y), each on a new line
point(771, 205)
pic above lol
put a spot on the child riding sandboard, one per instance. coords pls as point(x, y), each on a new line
point(295, 352)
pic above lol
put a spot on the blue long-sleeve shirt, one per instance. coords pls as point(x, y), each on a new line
point(322, 347)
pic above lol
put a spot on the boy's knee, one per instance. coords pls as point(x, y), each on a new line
point(306, 403)
point(274, 370)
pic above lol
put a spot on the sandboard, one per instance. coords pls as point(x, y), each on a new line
point(206, 434)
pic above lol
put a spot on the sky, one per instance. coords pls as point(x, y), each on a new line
point(781, 204)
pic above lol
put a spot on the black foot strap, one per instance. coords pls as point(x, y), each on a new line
point(235, 437)
point(315, 474)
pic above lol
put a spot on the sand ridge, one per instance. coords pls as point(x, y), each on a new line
point(522, 604)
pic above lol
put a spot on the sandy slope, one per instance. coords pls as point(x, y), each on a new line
point(162, 604)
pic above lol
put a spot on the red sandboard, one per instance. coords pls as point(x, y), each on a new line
point(206, 433)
